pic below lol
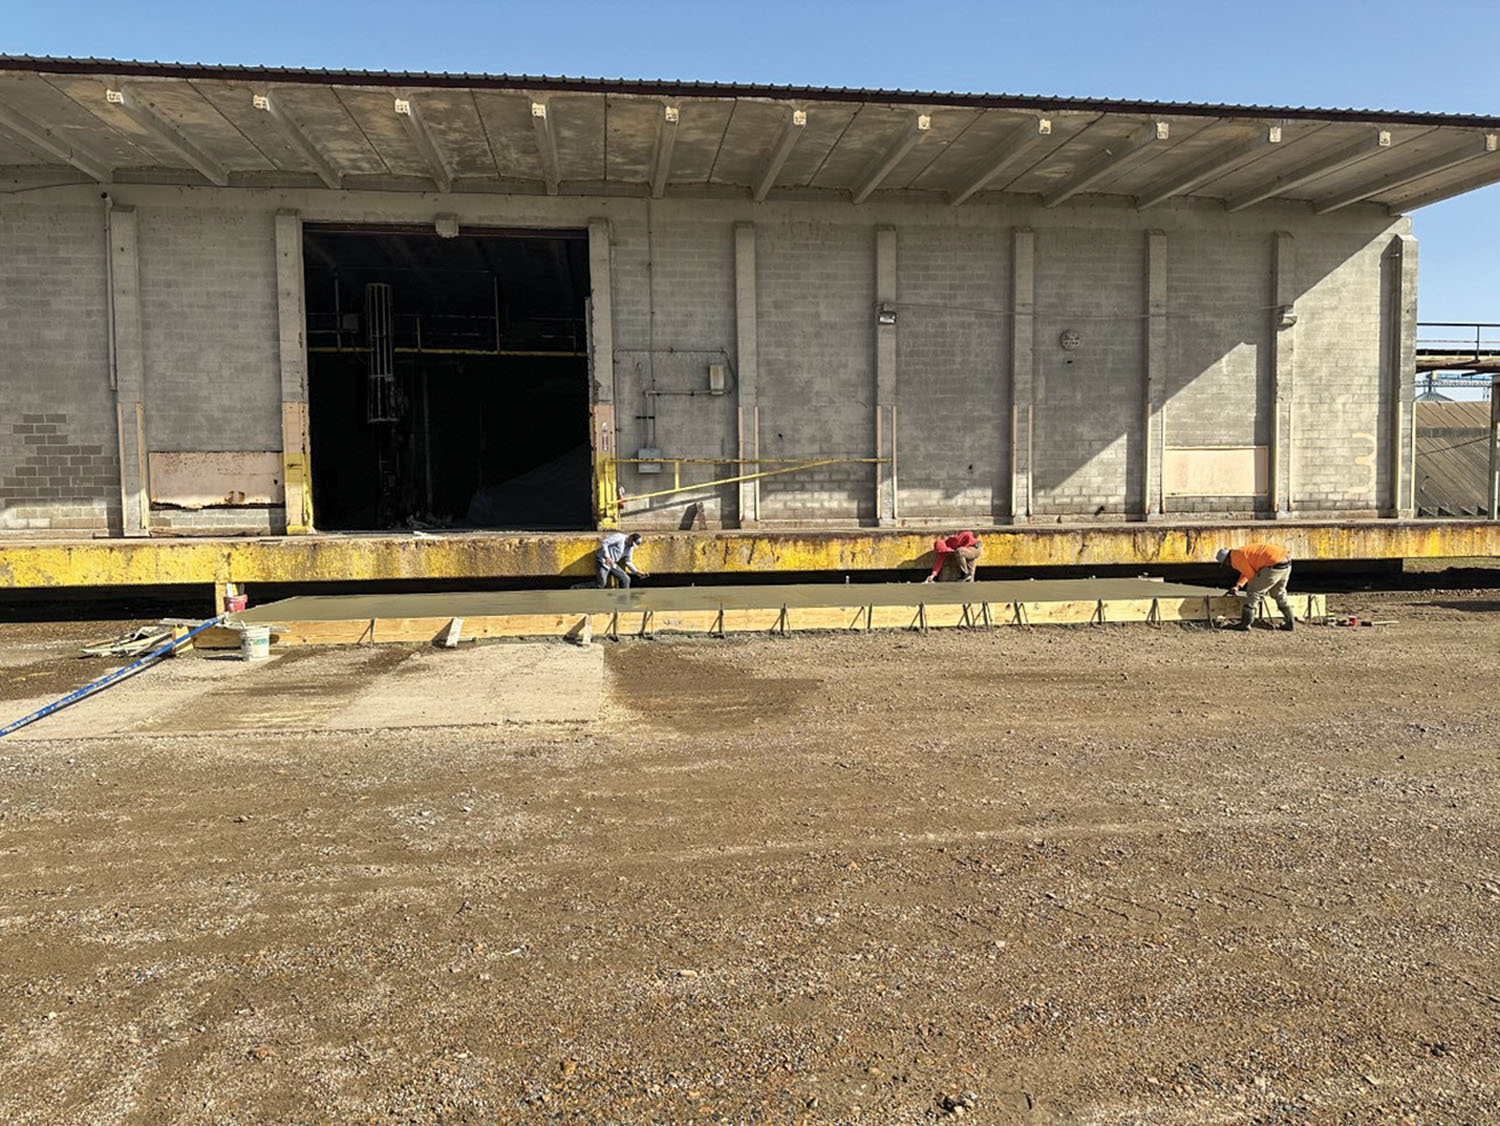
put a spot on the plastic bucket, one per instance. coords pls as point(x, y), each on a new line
point(255, 643)
point(235, 603)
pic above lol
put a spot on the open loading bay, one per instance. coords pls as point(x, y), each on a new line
point(447, 378)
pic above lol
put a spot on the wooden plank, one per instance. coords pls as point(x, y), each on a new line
point(751, 621)
point(218, 637)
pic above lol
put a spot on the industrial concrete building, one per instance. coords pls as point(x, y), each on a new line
point(293, 304)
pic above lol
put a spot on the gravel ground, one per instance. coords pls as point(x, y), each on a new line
point(1108, 875)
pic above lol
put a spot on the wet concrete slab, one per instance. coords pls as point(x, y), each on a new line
point(478, 604)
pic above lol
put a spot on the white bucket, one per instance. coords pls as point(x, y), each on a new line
point(255, 643)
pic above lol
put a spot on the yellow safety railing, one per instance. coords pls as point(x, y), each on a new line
point(787, 465)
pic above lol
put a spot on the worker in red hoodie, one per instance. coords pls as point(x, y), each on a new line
point(962, 549)
point(1264, 568)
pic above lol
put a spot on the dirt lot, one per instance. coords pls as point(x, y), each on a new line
point(1106, 875)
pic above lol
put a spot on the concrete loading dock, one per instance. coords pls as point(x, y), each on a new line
point(951, 310)
point(452, 559)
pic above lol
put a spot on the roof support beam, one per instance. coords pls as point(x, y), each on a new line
point(1475, 148)
point(791, 133)
point(134, 107)
point(44, 140)
point(410, 116)
point(546, 145)
point(1016, 144)
point(1215, 164)
point(298, 139)
point(1321, 166)
point(1489, 173)
point(666, 137)
point(917, 128)
point(1111, 159)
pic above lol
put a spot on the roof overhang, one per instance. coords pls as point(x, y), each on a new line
point(108, 121)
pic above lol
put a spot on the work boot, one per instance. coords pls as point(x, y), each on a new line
point(1240, 626)
point(1287, 626)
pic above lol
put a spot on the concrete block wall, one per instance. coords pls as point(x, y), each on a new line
point(1341, 391)
point(209, 336)
point(225, 521)
point(953, 373)
point(59, 450)
point(816, 286)
point(212, 365)
point(1089, 400)
point(674, 314)
point(1219, 362)
point(208, 312)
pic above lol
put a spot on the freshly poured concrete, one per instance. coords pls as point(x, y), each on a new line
point(354, 619)
point(476, 604)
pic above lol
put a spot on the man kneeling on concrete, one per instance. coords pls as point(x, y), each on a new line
point(962, 549)
point(614, 558)
point(1264, 568)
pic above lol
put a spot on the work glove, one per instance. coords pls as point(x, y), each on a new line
point(1233, 592)
point(928, 579)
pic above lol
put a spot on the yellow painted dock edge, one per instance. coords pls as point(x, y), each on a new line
point(767, 619)
point(464, 556)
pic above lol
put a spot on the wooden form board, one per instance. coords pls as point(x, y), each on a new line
point(762, 619)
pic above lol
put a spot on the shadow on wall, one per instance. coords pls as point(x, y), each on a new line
point(1217, 377)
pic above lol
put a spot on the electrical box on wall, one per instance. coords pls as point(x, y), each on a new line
point(718, 378)
point(646, 465)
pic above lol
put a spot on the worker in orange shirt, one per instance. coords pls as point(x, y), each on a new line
point(1263, 568)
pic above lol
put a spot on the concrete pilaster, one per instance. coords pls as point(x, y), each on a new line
point(1153, 428)
point(602, 374)
point(126, 347)
point(1402, 362)
point(747, 370)
point(291, 317)
point(1022, 370)
point(601, 313)
point(886, 507)
point(1283, 355)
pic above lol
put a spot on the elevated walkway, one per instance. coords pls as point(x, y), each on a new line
point(374, 618)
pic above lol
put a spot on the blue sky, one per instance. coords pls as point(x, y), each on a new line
point(1375, 54)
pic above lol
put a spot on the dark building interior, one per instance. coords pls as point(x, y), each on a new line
point(448, 378)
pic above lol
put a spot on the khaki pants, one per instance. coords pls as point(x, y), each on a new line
point(964, 559)
point(1268, 581)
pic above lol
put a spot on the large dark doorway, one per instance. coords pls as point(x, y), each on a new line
point(447, 378)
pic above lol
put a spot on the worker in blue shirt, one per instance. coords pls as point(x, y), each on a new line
point(614, 558)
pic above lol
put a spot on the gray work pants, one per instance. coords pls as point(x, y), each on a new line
point(607, 568)
point(1268, 581)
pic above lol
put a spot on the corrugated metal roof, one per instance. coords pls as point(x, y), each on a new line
point(1453, 458)
point(125, 68)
